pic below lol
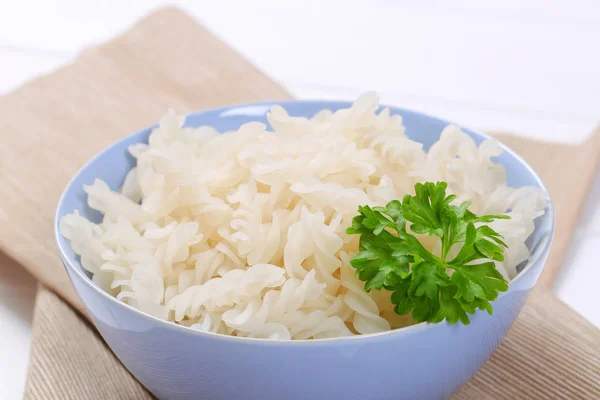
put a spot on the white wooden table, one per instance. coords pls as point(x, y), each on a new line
point(529, 67)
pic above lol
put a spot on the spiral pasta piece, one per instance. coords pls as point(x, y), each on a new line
point(366, 313)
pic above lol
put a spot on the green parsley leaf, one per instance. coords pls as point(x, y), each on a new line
point(431, 287)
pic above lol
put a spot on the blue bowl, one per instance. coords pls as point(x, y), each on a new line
point(424, 361)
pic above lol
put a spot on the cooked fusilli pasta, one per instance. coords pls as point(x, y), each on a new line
point(243, 233)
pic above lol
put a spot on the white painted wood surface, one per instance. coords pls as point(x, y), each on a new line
point(527, 67)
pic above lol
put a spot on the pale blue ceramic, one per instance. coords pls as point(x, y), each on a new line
point(425, 361)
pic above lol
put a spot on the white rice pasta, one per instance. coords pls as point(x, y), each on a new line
point(312, 246)
point(366, 318)
point(243, 233)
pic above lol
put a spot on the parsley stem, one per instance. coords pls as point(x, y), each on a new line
point(445, 246)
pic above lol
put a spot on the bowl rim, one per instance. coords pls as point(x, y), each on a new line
point(540, 253)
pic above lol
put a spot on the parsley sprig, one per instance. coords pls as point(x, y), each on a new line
point(432, 287)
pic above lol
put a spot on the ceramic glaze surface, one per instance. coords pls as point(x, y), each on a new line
point(426, 361)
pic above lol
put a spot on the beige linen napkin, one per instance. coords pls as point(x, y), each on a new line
point(53, 125)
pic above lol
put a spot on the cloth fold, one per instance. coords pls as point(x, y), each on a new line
point(54, 124)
